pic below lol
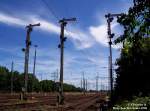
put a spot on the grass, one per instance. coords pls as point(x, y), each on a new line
point(137, 104)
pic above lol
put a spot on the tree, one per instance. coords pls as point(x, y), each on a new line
point(4, 79)
point(136, 23)
point(133, 73)
point(34, 84)
point(17, 81)
point(46, 85)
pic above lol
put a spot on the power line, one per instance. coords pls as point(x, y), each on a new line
point(83, 52)
point(50, 9)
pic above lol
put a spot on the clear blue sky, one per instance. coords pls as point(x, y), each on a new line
point(86, 49)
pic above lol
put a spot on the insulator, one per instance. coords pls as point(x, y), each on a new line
point(64, 39)
point(109, 33)
point(111, 19)
point(110, 43)
point(23, 49)
point(112, 35)
point(29, 43)
point(59, 46)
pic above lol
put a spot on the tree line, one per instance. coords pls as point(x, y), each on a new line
point(34, 85)
point(133, 72)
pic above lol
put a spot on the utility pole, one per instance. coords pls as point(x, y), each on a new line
point(12, 76)
point(26, 50)
point(34, 67)
point(57, 73)
point(55, 77)
point(86, 85)
point(110, 36)
point(53, 85)
point(101, 85)
point(41, 82)
point(34, 60)
point(83, 82)
point(89, 85)
point(63, 23)
point(97, 83)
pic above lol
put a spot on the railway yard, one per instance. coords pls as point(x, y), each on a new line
point(48, 102)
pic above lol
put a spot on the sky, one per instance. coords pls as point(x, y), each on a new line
point(86, 49)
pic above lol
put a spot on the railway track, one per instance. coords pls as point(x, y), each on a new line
point(82, 104)
point(72, 102)
point(14, 102)
point(28, 104)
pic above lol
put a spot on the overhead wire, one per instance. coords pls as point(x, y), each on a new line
point(83, 52)
point(50, 9)
point(52, 12)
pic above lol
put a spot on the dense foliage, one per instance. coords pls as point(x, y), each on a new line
point(133, 71)
point(137, 104)
point(33, 83)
